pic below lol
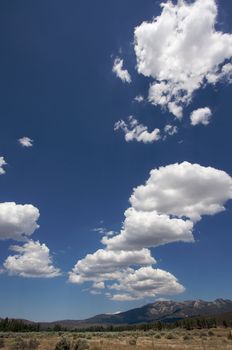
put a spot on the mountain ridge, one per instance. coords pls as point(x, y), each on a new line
point(164, 311)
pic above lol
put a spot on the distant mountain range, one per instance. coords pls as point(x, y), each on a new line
point(165, 311)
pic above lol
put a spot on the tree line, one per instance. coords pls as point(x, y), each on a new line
point(14, 325)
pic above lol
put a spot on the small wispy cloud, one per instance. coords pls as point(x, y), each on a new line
point(2, 164)
point(120, 72)
point(170, 130)
point(25, 141)
point(139, 98)
point(135, 131)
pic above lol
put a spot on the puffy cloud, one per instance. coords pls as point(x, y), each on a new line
point(17, 221)
point(170, 129)
point(182, 51)
point(201, 116)
point(32, 260)
point(185, 190)
point(135, 131)
point(225, 74)
point(121, 73)
point(122, 297)
point(2, 163)
point(149, 229)
point(79, 278)
point(146, 282)
point(139, 98)
point(99, 285)
point(111, 266)
point(162, 211)
point(108, 265)
point(26, 142)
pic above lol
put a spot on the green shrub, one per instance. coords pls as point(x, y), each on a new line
point(203, 335)
point(2, 343)
point(33, 344)
point(132, 341)
point(210, 333)
point(63, 344)
point(19, 344)
point(81, 344)
point(157, 336)
point(170, 336)
point(229, 336)
point(187, 337)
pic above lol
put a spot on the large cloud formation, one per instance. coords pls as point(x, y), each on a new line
point(182, 51)
point(162, 211)
point(108, 265)
point(17, 221)
point(185, 190)
point(149, 229)
point(31, 260)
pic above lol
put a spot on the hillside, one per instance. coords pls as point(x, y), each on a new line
point(165, 311)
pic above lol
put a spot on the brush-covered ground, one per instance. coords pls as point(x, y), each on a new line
point(178, 339)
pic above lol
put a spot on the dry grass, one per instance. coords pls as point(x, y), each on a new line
point(178, 339)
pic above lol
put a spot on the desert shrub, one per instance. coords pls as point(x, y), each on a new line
point(187, 337)
point(210, 333)
point(18, 344)
point(229, 336)
point(170, 336)
point(203, 334)
point(33, 344)
point(132, 341)
point(63, 344)
point(2, 343)
point(157, 336)
point(81, 344)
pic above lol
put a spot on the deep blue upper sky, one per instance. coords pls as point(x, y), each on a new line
point(57, 87)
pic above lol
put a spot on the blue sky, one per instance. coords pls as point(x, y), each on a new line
point(58, 89)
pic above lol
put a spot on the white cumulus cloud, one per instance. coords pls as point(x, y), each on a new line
point(121, 73)
point(162, 211)
point(26, 141)
point(2, 164)
point(31, 260)
point(181, 50)
point(185, 190)
point(146, 282)
point(107, 264)
point(170, 129)
point(138, 132)
point(201, 116)
point(17, 221)
point(139, 98)
point(149, 229)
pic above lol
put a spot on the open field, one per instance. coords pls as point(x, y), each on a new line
point(178, 339)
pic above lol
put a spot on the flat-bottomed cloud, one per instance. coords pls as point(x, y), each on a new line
point(31, 260)
point(17, 221)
